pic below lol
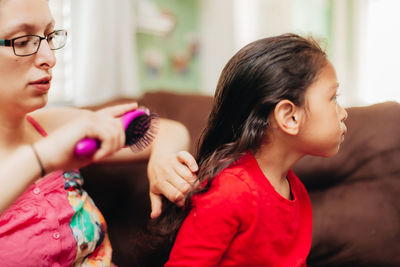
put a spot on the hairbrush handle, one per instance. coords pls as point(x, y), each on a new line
point(88, 146)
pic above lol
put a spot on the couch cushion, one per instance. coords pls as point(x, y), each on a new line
point(190, 109)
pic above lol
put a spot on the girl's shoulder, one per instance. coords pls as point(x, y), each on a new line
point(229, 197)
point(228, 186)
point(236, 177)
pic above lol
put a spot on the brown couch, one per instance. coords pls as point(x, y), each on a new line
point(355, 194)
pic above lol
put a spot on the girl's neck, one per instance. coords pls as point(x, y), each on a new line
point(275, 159)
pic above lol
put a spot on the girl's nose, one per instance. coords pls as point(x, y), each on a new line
point(343, 113)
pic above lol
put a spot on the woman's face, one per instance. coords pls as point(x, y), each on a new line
point(25, 81)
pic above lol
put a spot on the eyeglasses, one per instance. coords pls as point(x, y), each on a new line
point(29, 44)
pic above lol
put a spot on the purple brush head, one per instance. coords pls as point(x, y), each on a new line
point(140, 129)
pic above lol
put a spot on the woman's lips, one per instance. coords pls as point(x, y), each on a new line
point(42, 85)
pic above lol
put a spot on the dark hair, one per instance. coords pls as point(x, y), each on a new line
point(251, 84)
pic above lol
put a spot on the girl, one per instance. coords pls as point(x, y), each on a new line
point(275, 103)
point(46, 218)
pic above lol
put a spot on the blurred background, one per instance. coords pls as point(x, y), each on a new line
point(124, 48)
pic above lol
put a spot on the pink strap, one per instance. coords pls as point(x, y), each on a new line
point(36, 125)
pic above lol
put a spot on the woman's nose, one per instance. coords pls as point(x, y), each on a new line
point(45, 57)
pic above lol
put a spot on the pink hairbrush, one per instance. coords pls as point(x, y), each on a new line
point(140, 129)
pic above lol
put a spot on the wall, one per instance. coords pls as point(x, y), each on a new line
point(168, 51)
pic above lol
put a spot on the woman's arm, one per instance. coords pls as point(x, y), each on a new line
point(24, 166)
point(170, 170)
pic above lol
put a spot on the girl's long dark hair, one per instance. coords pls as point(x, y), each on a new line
point(253, 81)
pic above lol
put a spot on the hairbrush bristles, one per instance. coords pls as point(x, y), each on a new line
point(141, 131)
point(140, 127)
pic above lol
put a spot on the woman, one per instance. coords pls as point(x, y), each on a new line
point(46, 217)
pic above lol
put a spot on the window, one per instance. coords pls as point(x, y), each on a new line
point(380, 55)
point(62, 80)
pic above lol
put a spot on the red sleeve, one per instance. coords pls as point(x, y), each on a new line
point(213, 222)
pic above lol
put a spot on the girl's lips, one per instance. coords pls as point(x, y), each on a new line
point(344, 132)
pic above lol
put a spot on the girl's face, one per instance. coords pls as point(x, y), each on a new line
point(25, 81)
point(323, 127)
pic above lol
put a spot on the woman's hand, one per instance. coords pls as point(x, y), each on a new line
point(172, 176)
point(57, 150)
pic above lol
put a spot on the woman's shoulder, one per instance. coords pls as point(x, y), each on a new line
point(51, 119)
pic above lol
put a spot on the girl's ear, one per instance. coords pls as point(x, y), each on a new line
point(287, 116)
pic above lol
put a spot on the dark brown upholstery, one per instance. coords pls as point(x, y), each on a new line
point(354, 194)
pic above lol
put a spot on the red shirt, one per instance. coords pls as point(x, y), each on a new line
point(243, 221)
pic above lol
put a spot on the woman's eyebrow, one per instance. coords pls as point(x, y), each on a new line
point(51, 24)
point(27, 27)
point(14, 28)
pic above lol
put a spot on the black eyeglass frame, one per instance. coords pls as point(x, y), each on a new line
point(10, 42)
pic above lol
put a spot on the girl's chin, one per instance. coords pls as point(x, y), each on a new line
point(328, 152)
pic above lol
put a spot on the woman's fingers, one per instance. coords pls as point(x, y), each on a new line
point(172, 193)
point(111, 136)
point(156, 205)
point(187, 159)
point(172, 176)
point(118, 110)
point(163, 180)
